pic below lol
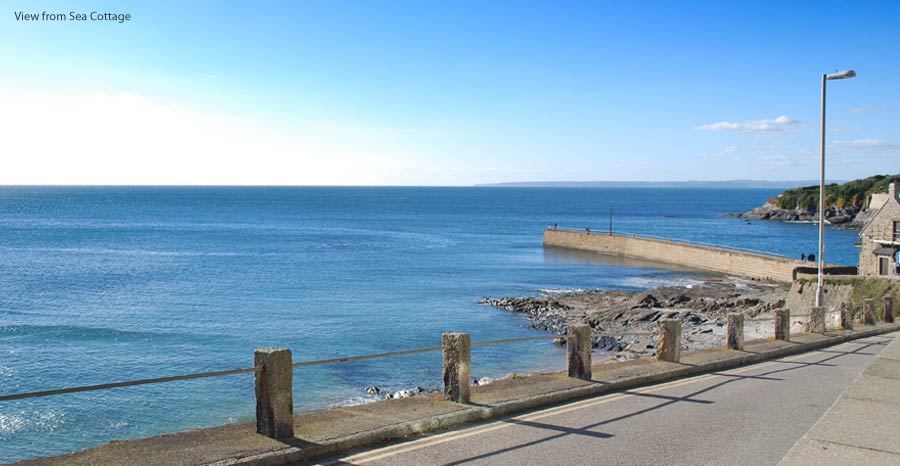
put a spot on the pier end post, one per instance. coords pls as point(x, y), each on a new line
point(816, 323)
point(457, 366)
point(578, 351)
point(783, 324)
point(274, 392)
point(869, 312)
point(668, 342)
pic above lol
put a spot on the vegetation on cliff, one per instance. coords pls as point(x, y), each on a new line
point(844, 203)
point(851, 194)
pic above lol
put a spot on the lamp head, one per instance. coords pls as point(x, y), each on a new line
point(846, 74)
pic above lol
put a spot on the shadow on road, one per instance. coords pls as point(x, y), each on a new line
point(670, 400)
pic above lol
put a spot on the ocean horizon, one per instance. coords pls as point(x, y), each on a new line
point(111, 283)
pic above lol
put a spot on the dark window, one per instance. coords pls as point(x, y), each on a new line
point(896, 231)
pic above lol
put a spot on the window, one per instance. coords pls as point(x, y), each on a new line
point(896, 231)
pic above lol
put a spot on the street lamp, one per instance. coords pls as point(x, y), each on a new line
point(820, 289)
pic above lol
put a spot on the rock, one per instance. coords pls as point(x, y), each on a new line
point(648, 301)
point(701, 309)
point(483, 381)
point(680, 299)
point(606, 343)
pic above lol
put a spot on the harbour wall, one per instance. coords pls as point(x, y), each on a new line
point(729, 261)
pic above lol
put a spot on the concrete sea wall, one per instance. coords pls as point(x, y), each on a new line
point(729, 261)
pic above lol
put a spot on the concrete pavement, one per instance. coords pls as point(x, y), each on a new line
point(863, 426)
point(746, 416)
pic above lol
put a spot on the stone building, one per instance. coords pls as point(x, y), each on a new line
point(879, 252)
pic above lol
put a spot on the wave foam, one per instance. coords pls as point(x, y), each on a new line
point(22, 421)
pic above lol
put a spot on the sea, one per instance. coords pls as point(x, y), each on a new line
point(106, 284)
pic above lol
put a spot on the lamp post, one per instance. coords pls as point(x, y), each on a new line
point(820, 288)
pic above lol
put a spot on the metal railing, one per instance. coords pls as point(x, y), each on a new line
point(274, 367)
point(255, 369)
point(129, 383)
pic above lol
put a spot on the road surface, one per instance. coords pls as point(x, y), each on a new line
point(746, 416)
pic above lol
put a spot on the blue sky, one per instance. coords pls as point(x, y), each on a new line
point(446, 93)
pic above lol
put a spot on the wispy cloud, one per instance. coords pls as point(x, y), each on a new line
point(752, 126)
point(724, 152)
point(866, 146)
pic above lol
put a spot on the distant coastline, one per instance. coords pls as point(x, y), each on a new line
point(746, 184)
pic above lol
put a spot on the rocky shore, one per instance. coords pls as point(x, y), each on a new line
point(847, 217)
point(624, 322)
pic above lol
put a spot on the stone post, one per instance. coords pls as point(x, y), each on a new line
point(869, 312)
point(274, 392)
point(735, 339)
point(578, 351)
point(457, 366)
point(889, 309)
point(816, 323)
point(783, 324)
point(668, 342)
point(846, 316)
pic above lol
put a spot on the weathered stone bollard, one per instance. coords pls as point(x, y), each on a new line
point(889, 309)
point(578, 351)
point(816, 323)
point(735, 339)
point(869, 311)
point(783, 324)
point(457, 366)
point(846, 316)
point(274, 392)
point(668, 343)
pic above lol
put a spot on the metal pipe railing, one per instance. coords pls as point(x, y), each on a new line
point(129, 383)
point(274, 368)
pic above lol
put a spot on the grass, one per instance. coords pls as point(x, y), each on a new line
point(863, 289)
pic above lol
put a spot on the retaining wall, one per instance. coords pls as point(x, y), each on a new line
point(730, 261)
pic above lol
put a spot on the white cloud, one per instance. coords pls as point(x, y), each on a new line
point(724, 152)
point(131, 139)
point(752, 126)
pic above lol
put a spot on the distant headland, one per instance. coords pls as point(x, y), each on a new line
point(654, 184)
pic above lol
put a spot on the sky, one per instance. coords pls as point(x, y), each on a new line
point(446, 93)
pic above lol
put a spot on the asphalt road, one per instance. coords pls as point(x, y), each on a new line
point(747, 416)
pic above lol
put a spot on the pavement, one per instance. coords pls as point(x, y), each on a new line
point(328, 432)
point(862, 428)
point(746, 416)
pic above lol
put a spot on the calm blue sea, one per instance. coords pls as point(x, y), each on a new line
point(101, 284)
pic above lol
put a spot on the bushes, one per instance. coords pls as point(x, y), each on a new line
point(851, 194)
